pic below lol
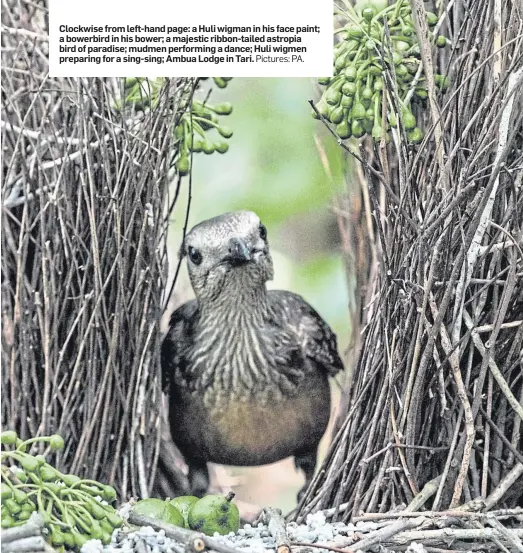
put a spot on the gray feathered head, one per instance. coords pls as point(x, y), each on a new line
point(229, 252)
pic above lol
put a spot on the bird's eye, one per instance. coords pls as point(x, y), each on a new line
point(263, 232)
point(194, 255)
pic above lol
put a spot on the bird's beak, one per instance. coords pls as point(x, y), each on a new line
point(239, 253)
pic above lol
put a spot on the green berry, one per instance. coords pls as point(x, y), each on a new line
point(393, 121)
point(8, 437)
point(432, 19)
point(225, 108)
point(401, 70)
point(5, 492)
point(19, 496)
point(11, 505)
point(57, 538)
point(366, 96)
point(358, 112)
point(409, 121)
point(340, 62)
point(336, 115)
point(367, 124)
point(183, 165)
point(350, 74)
point(219, 82)
point(48, 473)
point(347, 101)
point(323, 108)
point(114, 519)
point(343, 130)
point(226, 132)
point(354, 32)
point(208, 146)
point(7, 520)
point(357, 129)
point(221, 146)
point(401, 46)
point(397, 58)
point(368, 13)
point(442, 82)
point(28, 462)
point(441, 41)
point(333, 96)
point(349, 88)
point(415, 135)
point(196, 146)
point(70, 479)
point(56, 442)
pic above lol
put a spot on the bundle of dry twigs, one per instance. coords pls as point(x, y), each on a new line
point(438, 382)
point(84, 216)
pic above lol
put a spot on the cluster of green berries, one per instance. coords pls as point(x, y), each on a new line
point(191, 132)
point(74, 510)
point(220, 82)
point(194, 129)
point(141, 92)
point(353, 97)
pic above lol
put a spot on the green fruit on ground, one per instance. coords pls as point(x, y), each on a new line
point(160, 510)
point(215, 513)
point(184, 503)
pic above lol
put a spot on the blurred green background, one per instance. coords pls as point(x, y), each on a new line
point(286, 167)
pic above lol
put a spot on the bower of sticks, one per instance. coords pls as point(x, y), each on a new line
point(428, 447)
point(86, 196)
point(432, 419)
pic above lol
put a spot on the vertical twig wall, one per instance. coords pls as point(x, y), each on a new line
point(83, 258)
point(438, 388)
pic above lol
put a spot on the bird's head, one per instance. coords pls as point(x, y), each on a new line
point(229, 252)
